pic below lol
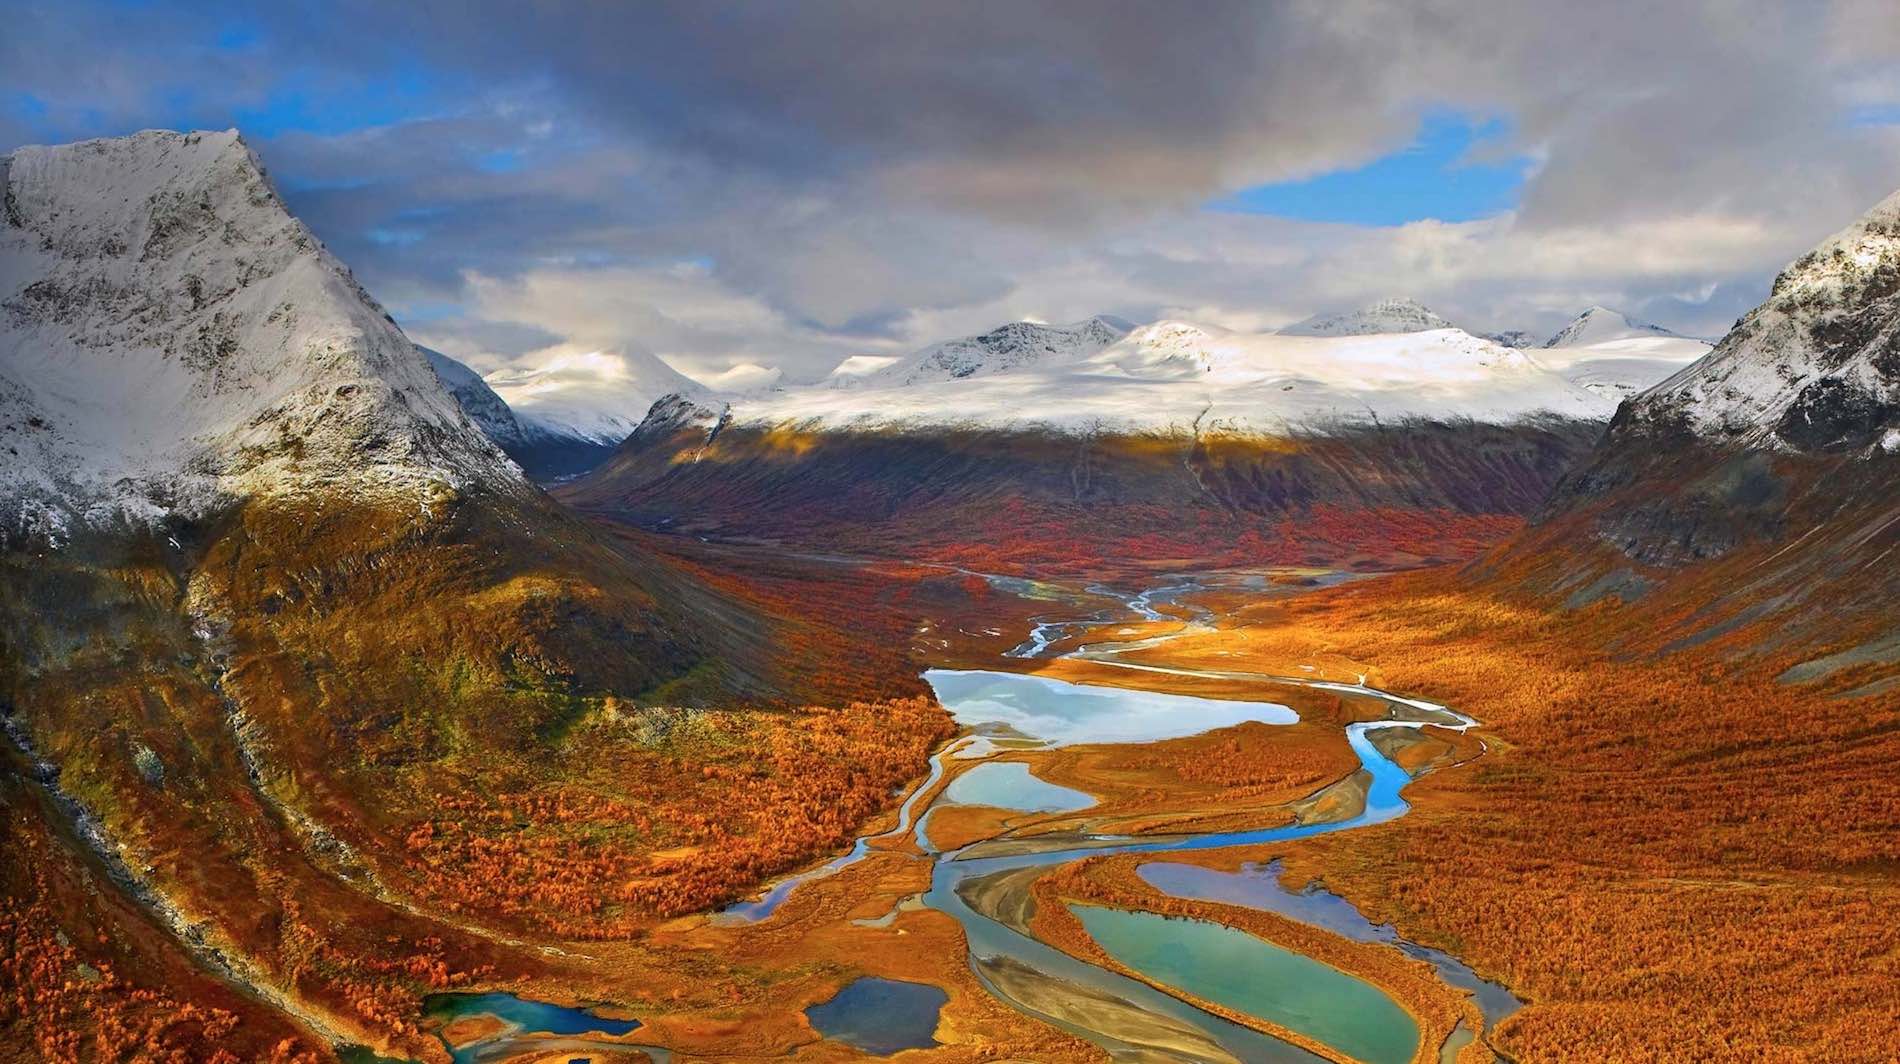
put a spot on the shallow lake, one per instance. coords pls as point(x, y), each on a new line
point(1062, 713)
point(1253, 976)
point(1010, 785)
point(1258, 887)
point(522, 1017)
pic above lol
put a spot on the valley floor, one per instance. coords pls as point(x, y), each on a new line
point(1662, 858)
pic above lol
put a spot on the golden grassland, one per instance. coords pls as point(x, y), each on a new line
point(376, 771)
point(1670, 857)
point(419, 766)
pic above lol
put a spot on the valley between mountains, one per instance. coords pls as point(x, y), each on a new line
point(1370, 690)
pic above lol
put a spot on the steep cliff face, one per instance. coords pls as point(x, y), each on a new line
point(173, 341)
point(1815, 369)
point(1792, 421)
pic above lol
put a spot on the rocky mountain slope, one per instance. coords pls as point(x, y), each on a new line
point(488, 411)
point(1017, 345)
point(173, 340)
point(1752, 495)
point(271, 606)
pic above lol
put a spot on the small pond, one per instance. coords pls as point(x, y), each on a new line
point(520, 1018)
point(881, 1016)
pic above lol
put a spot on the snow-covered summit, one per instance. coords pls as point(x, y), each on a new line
point(1608, 352)
point(594, 397)
point(1385, 316)
point(1817, 366)
point(1181, 377)
point(172, 339)
point(1599, 324)
point(487, 410)
point(1009, 347)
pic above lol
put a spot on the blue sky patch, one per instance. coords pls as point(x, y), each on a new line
point(1432, 177)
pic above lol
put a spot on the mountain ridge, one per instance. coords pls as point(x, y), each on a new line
point(1392, 315)
point(160, 277)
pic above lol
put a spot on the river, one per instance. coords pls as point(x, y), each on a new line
point(1128, 1018)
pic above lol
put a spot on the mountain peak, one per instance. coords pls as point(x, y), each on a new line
point(1816, 366)
point(1600, 324)
point(1007, 347)
point(1385, 316)
point(174, 340)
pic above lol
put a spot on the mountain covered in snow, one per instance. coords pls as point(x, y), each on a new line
point(488, 411)
point(564, 416)
point(174, 340)
point(1814, 368)
point(1181, 377)
point(1607, 352)
point(1599, 324)
point(1176, 440)
point(1015, 346)
point(1385, 316)
point(1755, 489)
point(595, 396)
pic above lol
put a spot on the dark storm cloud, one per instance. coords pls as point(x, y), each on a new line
point(733, 182)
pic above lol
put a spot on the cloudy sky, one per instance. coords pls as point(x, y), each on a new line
point(738, 187)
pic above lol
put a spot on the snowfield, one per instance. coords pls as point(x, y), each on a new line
point(1179, 377)
point(1385, 316)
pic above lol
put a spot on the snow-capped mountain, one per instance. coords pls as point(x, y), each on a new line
point(1599, 324)
point(1607, 352)
point(1385, 316)
point(1173, 376)
point(1009, 347)
point(1177, 440)
point(488, 411)
point(1817, 366)
point(594, 397)
point(855, 368)
point(174, 339)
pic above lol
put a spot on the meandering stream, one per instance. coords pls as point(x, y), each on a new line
point(1129, 1018)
